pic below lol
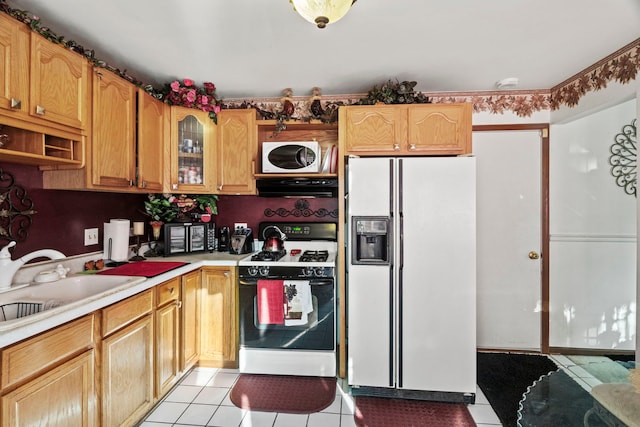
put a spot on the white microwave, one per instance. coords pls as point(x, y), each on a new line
point(291, 157)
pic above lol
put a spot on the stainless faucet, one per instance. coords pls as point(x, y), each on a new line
point(8, 268)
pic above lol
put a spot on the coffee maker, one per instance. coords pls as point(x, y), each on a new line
point(223, 239)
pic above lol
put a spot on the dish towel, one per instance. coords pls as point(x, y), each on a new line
point(271, 302)
point(299, 302)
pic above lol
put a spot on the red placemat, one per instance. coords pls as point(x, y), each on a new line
point(143, 268)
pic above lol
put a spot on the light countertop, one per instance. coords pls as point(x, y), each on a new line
point(12, 331)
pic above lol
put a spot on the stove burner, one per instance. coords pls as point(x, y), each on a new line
point(314, 256)
point(268, 255)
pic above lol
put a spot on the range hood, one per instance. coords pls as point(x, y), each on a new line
point(297, 187)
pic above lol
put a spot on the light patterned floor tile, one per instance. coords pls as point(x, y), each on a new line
point(223, 379)
point(211, 395)
point(197, 414)
point(258, 419)
point(291, 420)
point(336, 406)
point(483, 414)
point(321, 419)
point(227, 416)
point(167, 412)
point(183, 393)
point(346, 420)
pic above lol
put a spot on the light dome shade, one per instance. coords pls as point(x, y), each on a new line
point(322, 12)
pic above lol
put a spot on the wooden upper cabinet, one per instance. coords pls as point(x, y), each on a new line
point(153, 135)
point(371, 129)
point(14, 66)
point(59, 84)
point(439, 129)
point(236, 152)
point(420, 129)
point(193, 144)
point(113, 156)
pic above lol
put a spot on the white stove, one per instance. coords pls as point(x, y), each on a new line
point(286, 346)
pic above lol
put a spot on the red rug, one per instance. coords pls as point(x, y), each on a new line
point(380, 412)
point(283, 393)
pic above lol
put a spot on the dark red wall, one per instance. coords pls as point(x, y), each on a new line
point(62, 216)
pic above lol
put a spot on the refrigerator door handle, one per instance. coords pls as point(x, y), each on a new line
point(400, 272)
point(391, 328)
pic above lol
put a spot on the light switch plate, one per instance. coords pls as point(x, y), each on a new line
point(90, 236)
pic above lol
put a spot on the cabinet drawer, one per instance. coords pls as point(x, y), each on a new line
point(36, 354)
point(122, 313)
point(168, 291)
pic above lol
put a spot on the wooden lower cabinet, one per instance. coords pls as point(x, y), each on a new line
point(190, 320)
point(219, 318)
point(127, 360)
point(62, 397)
point(167, 335)
point(49, 380)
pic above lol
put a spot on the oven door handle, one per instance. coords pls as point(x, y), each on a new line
point(315, 281)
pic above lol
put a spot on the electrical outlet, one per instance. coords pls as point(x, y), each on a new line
point(90, 236)
point(239, 225)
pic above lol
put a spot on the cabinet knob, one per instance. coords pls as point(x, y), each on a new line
point(412, 146)
point(131, 183)
point(226, 274)
point(40, 110)
point(179, 304)
point(16, 104)
point(174, 186)
point(219, 187)
point(144, 184)
point(396, 146)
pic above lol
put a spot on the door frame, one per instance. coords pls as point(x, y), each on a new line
point(544, 217)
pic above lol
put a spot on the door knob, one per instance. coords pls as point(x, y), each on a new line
point(534, 255)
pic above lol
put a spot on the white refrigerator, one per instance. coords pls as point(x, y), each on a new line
point(411, 277)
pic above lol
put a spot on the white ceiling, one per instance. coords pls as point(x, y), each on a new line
point(256, 48)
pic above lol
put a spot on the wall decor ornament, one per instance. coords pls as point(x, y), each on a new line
point(623, 158)
point(301, 209)
point(16, 209)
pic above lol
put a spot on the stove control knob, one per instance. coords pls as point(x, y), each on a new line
point(319, 272)
point(307, 271)
point(253, 270)
point(264, 270)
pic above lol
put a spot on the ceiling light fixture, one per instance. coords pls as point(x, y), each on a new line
point(322, 12)
point(508, 83)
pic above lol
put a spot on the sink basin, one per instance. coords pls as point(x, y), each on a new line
point(37, 298)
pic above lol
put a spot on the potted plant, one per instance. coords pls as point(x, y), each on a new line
point(160, 210)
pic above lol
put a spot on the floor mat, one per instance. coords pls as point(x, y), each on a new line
point(283, 393)
point(504, 378)
point(381, 412)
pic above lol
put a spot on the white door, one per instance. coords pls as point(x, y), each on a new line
point(509, 229)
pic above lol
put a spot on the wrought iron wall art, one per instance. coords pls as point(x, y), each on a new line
point(623, 158)
point(301, 209)
point(16, 209)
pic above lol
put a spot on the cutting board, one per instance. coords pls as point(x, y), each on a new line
point(143, 268)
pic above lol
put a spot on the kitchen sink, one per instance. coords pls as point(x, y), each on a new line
point(37, 298)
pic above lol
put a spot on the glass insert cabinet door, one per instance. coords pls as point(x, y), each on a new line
point(192, 147)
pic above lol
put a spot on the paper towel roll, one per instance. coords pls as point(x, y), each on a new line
point(116, 240)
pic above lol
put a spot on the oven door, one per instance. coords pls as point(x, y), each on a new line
point(315, 332)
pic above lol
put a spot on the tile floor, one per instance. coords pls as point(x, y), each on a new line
point(202, 399)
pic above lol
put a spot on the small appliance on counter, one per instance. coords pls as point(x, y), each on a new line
point(241, 241)
point(188, 237)
point(223, 239)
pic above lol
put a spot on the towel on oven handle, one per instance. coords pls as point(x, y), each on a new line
point(299, 302)
point(271, 302)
